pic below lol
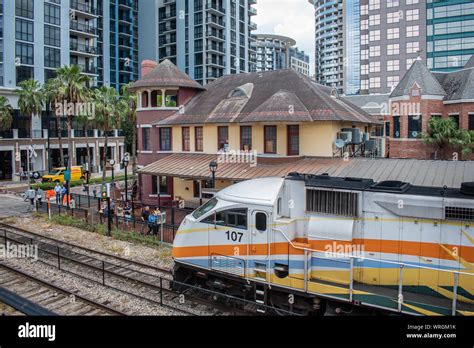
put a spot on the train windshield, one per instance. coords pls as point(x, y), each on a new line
point(204, 209)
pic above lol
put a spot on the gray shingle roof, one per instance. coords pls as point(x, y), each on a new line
point(374, 104)
point(214, 105)
point(420, 75)
point(470, 63)
point(166, 74)
point(459, 85)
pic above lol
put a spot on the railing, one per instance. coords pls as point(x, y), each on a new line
point(86, 28)
point(356, 262)
point(87, 8)
point(89, 49)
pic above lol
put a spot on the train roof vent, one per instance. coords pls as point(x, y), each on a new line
point(392, 186)
point(467, 188)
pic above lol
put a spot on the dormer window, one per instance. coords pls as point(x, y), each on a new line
point(244, 91)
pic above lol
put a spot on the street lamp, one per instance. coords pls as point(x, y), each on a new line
point(213, 169)
point(125, 163)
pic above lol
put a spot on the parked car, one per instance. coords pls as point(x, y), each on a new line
point(57, 174)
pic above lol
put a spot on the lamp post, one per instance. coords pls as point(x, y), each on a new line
point(213, 169)
point(125, 163)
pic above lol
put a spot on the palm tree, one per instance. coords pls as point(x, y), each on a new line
point(73, 84)
point(444, 133)
point(129, 115)
point(86, 119)
point(107, 116)
point(30, 103)
point(30, 100)
point(6, 111)
point(53, 93)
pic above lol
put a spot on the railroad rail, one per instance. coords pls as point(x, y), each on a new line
point(32, 296)
point(130, 277)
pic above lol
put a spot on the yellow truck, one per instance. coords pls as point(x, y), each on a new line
point(57, 174)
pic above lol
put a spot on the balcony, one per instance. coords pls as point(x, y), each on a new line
point(219, 63)
point(217, 22)
point(168, 16)
point(85, 9)
point(88, 69)
point(213, 74)
point(215, 9)
point(252, 11)
point(215, 35)
point(87, 50)
point(126, 3)
point(253, 26)
point(216, 49)
point(81, 28)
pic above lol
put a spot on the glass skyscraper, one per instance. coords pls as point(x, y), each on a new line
point(352, 47)
point(450, 33)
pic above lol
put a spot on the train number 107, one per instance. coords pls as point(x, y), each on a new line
point(234, 236)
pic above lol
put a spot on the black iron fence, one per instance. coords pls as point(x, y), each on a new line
point(93, 211)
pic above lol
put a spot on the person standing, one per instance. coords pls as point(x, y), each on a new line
point(39, 195)
point(57, 193)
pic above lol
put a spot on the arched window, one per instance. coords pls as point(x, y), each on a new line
point(145, 99)
point(155, 99)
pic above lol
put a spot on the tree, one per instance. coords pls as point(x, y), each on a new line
point(53, 93)
point(86, 119)
point(30, 103)
point(444, 133)
point(72, 86)
point(107, 116)
point(129, 120)
point(6, 111)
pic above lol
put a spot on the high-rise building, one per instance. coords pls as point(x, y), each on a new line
point(204, 38)
point(366, 46)
point(329, 52)
point(299, 61)
point(392, 36)
point(450, 34)
point(276, 52)
point(100, 36)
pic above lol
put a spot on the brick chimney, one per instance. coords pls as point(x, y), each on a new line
point(147, 66)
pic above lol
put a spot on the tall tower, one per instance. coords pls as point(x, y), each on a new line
point(329, 42)
point(204, 38)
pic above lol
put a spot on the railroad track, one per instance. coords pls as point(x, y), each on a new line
point(54, 299)
point(145, 282)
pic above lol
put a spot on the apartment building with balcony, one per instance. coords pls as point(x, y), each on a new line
point(280, 121)
point(40, 36)
point(275, 52)
point(204, 38)
point(329, 53)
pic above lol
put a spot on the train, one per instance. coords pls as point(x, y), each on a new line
point(322, 245)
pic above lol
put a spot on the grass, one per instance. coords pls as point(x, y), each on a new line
point(150, 241)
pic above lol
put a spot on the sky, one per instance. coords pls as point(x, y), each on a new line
point(293, 18)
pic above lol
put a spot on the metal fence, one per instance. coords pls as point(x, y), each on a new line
point(88, 210)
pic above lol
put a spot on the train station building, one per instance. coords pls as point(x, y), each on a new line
point(257, 125)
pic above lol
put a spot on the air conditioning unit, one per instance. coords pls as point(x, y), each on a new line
point(356, 135)
point(346, 136)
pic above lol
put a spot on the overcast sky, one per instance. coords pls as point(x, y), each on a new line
point(293, 18)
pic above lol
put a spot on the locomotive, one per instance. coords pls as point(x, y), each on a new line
point(316, 244)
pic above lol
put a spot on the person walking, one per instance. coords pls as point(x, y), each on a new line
point(152, 218)
point(57, 193)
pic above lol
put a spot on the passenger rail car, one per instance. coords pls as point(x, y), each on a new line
point(334, 245)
